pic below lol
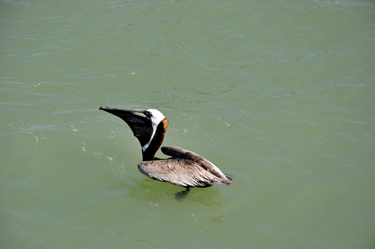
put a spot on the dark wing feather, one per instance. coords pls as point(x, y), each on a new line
point(177, 152)
point(181, 172)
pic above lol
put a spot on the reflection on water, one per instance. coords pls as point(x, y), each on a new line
point(150, 191)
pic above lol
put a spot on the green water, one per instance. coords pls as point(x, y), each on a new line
point(279, 94)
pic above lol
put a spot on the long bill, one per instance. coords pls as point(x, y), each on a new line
point(138, 122)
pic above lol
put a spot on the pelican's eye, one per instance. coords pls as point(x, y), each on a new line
point(148, 114)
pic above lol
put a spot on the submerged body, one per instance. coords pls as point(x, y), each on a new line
point(183, 168)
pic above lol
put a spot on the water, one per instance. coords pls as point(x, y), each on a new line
point(279, 94)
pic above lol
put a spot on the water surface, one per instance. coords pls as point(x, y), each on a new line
point(279, 94)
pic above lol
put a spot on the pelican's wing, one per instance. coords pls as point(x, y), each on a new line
point(179, 171)
point(177, 152)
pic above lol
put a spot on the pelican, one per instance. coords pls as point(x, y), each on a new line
point(184, 168)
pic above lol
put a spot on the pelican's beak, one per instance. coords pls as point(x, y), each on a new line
point(138, 122)
point(124, 114)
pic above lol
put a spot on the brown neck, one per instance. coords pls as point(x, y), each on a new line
point(157, 140)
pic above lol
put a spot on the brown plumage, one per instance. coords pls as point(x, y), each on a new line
point(184, 168)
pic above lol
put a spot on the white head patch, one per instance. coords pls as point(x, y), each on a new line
point(156, 118)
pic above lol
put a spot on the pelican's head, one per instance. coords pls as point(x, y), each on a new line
point(147, 125)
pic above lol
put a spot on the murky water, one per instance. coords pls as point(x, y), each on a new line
point(279, 94)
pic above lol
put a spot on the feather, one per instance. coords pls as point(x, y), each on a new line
point(185, 168)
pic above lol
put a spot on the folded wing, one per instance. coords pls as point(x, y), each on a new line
point(185, 168)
